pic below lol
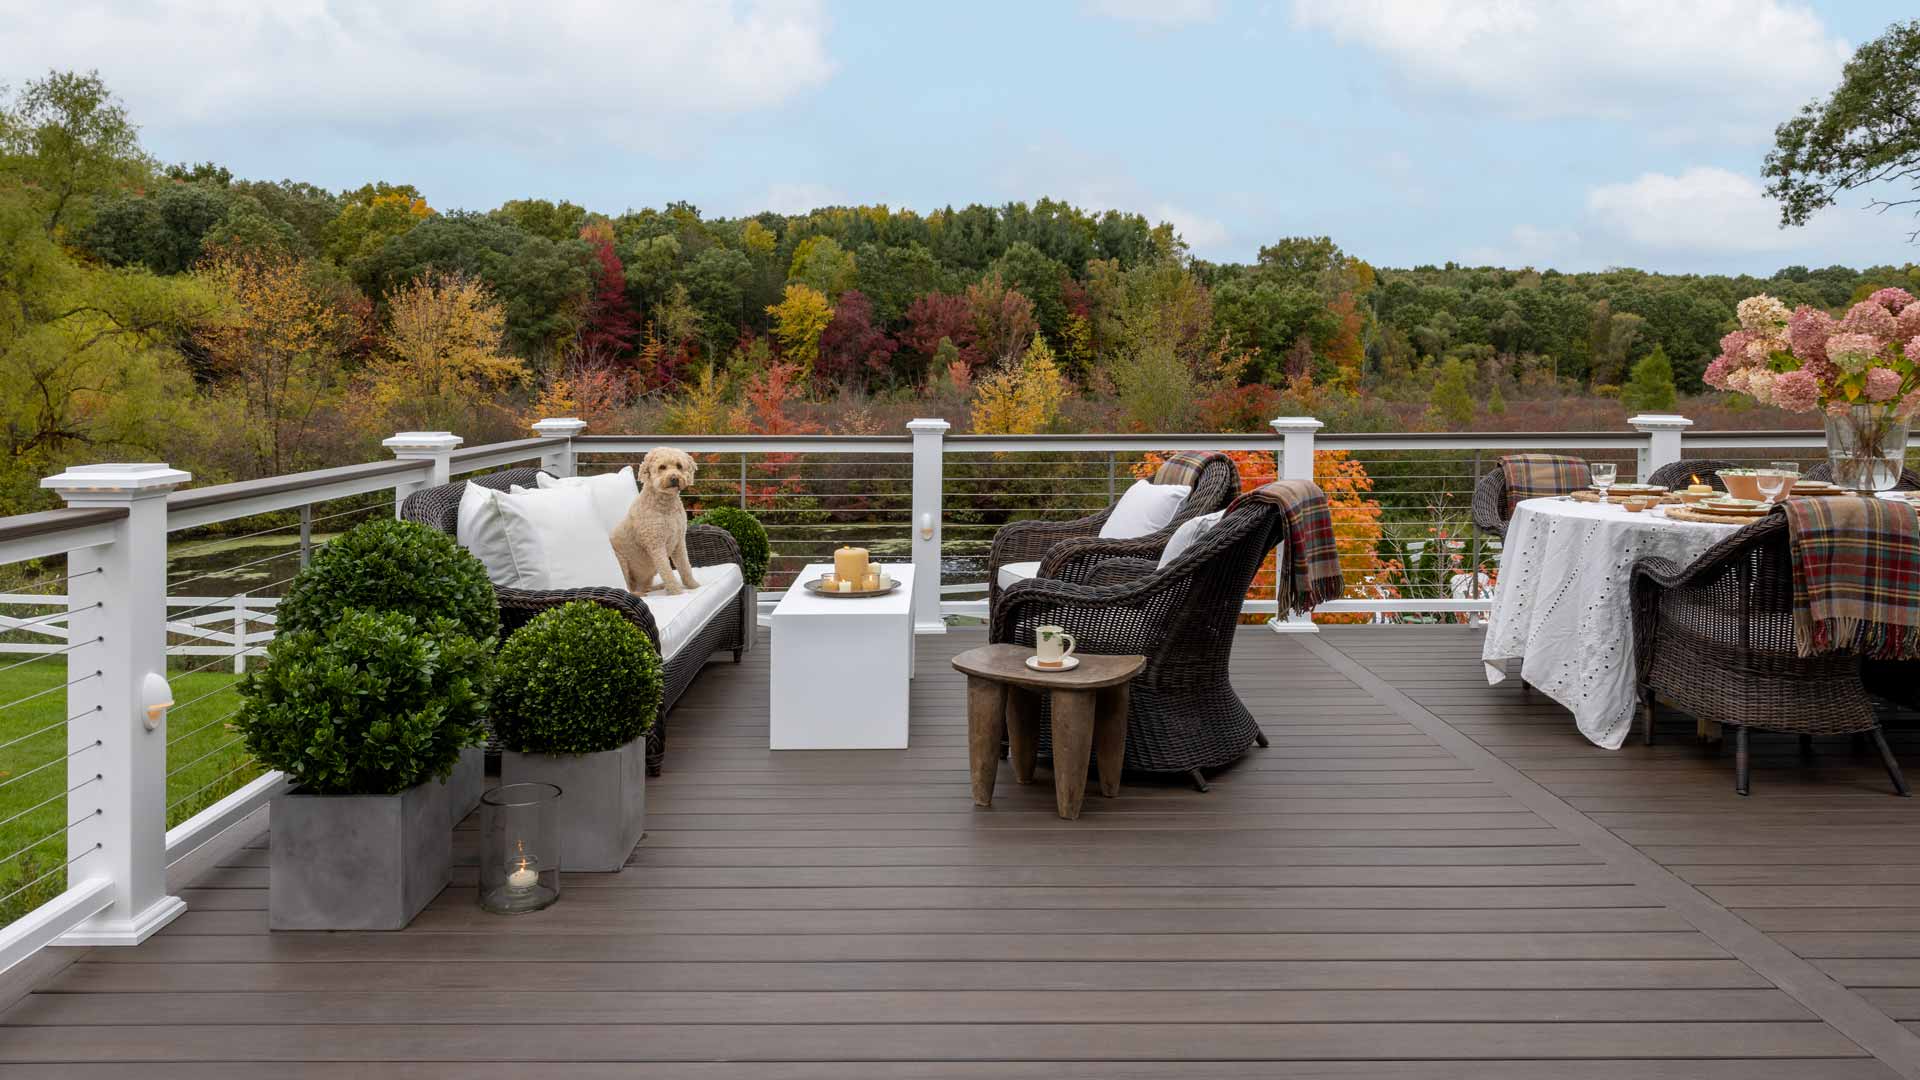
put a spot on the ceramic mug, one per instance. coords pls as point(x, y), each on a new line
point(1052, 644)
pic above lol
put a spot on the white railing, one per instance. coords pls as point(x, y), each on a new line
point(147, 656)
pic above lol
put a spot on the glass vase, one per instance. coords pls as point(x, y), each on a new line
point(519, 848)
point(1867, 447)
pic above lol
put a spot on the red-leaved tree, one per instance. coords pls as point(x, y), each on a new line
point(937, 315)
point(852, 348)
point(611, 329)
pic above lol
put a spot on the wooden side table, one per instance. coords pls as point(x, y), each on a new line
point(1089, 714)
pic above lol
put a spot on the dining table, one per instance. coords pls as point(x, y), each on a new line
point(1563, 602)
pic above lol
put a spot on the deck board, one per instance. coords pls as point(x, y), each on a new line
point(1359, 899)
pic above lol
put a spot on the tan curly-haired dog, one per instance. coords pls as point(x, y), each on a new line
point(652, 538)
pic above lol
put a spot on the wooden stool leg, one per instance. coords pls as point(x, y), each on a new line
point(1110, 737)
point(986, 722)
point(1073, 712)
point(1023, 732)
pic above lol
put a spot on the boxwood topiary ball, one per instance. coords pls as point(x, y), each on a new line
point(576, 679)
point(372, 703)
point(749, 534)
point(389, 565)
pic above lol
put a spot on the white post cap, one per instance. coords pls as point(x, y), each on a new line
point(560, 426)
point(934, 424)
point(1660, 422)
point(112, 479)
point(422, 442)
point(1295, 424)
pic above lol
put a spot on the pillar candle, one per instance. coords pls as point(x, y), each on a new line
point(850, 564)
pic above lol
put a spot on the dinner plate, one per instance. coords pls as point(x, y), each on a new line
point(1637, 489)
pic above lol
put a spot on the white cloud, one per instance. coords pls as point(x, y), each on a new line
point(1155, 13)
point(1527, 245)
point(1701, 209)
point(1739, 63)
point(1202, 233)
point(561, 72)
point(798, 199)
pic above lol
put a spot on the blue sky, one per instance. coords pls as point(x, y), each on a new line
point(1538, 132)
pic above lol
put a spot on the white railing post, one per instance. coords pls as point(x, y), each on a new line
point(117, 738)
point(1296, 463)
point(1663, 432)
point(433, 446)
point(929, 437)
point(1296, 452)
point(559, 461)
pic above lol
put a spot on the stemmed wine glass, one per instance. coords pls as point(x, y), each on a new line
point(1603, 474)
point(1777, 479)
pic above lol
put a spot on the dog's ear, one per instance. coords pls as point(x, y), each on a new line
point(693, 467)
point(651, 461)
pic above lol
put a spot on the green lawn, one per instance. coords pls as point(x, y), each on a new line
point(204, 756)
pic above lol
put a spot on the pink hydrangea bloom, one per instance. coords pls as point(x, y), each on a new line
point(1716, 373)
point(1852, 352)
point(1760, 350)
point(1868, 318)
point(1913, 349)
point(1838, 408)
point(1821, 369)
point(1737, 379)
point(1908, 406)
point(1760, 385)
point(1807, 332)
point(1891, 298)
point(1883, 384)
point(1907, 325)
point(1733, 348)
point(1796, 391)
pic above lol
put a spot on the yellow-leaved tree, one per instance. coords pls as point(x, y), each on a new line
point(1020, 398)
point(798, 319)
point(275, 351)
point(442, 359)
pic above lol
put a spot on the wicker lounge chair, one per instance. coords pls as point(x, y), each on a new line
point(1715, 638)
point(1183, 714)
point(1678, 474)
point(1030, 541)
point(731, 629)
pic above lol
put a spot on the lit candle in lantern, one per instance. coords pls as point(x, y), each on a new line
point(524, 877)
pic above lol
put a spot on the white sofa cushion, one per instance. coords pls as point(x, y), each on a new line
point(1188, 533)
point(679, 618)
point(613, 493)
point(555, 541)
point(1144, 508)
point(1017, 571)
point(478, 528)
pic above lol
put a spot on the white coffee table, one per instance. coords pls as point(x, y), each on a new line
point(841, 667)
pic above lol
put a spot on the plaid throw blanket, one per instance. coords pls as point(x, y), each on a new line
point(1856, 576)
point(1309, 569)
point(1186, 466)
point(1536, 476)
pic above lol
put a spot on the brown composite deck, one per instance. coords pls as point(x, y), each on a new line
point(1421, 877)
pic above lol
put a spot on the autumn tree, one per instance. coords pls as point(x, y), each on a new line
point(275, 353)
point(1020, 397)
point(1002, 319)
point(443, 357)
point(852, 347)
point(820, 263)
point(369, 218)
point(798, 321)
point(610, 329)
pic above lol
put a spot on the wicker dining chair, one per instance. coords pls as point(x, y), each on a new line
point(1715, 639)
point(1823, 470)
point(1490, 512)
point(1678, 474)
point(1183, 715)
point(731, 630)
point(1030, 541)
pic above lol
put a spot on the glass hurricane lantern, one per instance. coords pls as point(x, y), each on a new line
point(519, 848)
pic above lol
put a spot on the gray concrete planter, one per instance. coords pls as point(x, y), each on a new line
point(357, 862)
point(469, 779)
point(603, 801)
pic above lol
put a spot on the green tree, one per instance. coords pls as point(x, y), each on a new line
point(368, 218)
point(1452, 401)
point(542, 217)
point(67, 139)
point(1650, 389)
point(163, 231)
point(821, 264)
point(1867, 132)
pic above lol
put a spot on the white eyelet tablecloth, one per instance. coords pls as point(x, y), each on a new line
point(1563, 605)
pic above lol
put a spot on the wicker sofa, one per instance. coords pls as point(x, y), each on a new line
point(1715, 638)
point(729, 629)
point(1020, 548)
point(1183, 714)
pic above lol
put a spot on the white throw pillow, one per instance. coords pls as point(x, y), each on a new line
point(1145, 508)
point(613, 493)
point(555, 540)
point(1189, 531)
point(479, 529)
